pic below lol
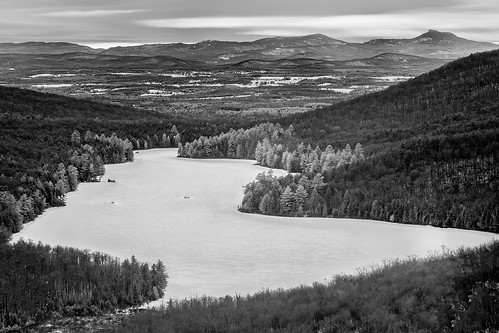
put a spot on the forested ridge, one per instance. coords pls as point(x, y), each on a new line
point(426, 152)
point(450, 98)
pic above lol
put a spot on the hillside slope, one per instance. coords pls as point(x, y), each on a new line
point(459, 93)
point(429, 153)
point(36, 104)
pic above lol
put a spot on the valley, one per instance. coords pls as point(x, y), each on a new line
point(425, 130)
point(246, 89)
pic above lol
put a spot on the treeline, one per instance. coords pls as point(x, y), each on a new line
point(38, 282)
point(27, 190)
point(273, 146)
point(448, 292)
point(239, 144)
point(444, 181)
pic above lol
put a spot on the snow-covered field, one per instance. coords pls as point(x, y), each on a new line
point(184, 212)
point(51, 86)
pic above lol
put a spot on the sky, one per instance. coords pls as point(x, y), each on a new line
point(105, 23)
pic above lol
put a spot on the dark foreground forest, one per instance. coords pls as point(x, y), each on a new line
point(39, 282)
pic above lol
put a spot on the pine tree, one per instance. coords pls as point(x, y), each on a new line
point(259, 154)
point(287, 201)
point(266, 206)
point(300, 199)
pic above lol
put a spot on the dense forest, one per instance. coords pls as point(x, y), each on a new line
point(429, 154)
point(43, 281)
point(446, 292)
point(446, 100)
point(31, 185)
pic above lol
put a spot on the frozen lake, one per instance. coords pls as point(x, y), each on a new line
point(209, 247)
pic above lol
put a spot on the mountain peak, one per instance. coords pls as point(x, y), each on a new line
point(434, 36)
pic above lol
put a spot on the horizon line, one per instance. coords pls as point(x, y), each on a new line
point(100, 45)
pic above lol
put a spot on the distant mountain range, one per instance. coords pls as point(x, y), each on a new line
point(432, 44)
point(45, 48)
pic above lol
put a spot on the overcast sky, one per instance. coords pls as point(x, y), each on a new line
point(104, 23)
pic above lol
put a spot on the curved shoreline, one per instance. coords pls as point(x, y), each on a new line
point(208, 246)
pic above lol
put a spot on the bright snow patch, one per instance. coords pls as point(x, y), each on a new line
point(52, 86)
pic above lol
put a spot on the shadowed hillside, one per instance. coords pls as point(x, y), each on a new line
point(449, 98)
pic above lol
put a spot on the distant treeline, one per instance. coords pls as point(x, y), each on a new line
point(240, 144)
point(449, 292)
point(38, 282)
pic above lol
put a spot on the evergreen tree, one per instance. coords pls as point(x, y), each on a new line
point(287, 201)
point(300, 199)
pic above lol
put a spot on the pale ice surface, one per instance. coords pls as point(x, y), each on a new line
point(184, 212)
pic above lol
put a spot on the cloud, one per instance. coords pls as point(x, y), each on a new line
point(393, 25)
point(257, 22)
point(90, 13)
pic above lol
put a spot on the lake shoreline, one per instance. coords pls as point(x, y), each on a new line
point(199, 239)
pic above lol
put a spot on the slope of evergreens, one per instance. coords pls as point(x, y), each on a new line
point(38, 282)
point(448, 292)
point(448, 98)
point(44, 105)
